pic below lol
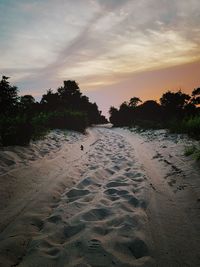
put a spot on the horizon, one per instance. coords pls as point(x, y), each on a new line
point(153, 46)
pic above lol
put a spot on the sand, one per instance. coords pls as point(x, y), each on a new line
point(126, 200)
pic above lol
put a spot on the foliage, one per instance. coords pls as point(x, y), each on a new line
point(189, 150)
point(69, 97)
point(176, 111)
point(134, 101)
point(190, 126)
point(15, 130)
point(197, 155)
point(73, 120)
point(8, 96)
point(175, 100)
point(192, 150)
point(196, 96)
point(148, 124)
point(174, 103)
point(148, 113)
point(23, 119)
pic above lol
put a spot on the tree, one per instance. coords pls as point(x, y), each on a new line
point(51, 101)
point(27, 105)
point(8, 96)
point(174, 103)
point(196, 96)
point(113, 116)
point(27, 101)
point(150, 110)
point(134, 101)
point(70, 94)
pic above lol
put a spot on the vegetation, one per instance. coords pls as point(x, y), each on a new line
point(194, 151)
point(177, 111)
point(188, 125)
point(189, 150)
point(23, 119)
point(197, 154)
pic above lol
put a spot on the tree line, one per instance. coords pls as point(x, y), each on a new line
point(177, 111)
point(22, 118)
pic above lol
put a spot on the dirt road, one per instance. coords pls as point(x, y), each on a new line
point(123, 200)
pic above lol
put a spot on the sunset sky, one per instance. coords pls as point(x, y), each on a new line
point(114, 49)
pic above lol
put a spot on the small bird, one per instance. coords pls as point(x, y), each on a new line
point(82, 147)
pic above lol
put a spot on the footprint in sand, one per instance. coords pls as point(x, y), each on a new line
point(55, 218)
point(96, 214)
point(136, 248)
point(75, 194)
point(116, 184)
point(72, 230)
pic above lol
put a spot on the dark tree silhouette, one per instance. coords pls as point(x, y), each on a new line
point(23, 119)
point(174, 103)
point(27, 101)
point(51, 101)
point(8, 96)
point(69, 97)
point(150, 110)
point(125, 114)
point(70, 94)
point(113, 116)
point(196, 96)
point(134, 101)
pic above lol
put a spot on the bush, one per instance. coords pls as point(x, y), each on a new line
point(192, 150)
point(20, 130)
point(148, 124)
point(72, 120)
point(197, 155)
point(15, 130)
point(190, 126)
point(189, 150)
point(40, 125)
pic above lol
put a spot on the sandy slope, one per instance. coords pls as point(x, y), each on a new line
point(126, 200)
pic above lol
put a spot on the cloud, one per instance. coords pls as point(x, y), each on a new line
point(110, 5)
point(95, 41)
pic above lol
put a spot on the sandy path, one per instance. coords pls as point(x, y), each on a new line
point(110, 205)
point(174, 199)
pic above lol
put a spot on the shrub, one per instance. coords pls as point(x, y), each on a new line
point(190, 126)
point(40, 125)
point(15, 130)
point(72, 120)
point(192, 150)
point(189, 150)
point(197, 155)
point(20, 130)
point(148, 124)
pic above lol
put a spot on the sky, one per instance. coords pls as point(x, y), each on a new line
point(114, 49)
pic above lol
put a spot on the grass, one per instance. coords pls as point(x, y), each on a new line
point(190, 126)
point(192, 150)
point(197, 154)
point(189, 150)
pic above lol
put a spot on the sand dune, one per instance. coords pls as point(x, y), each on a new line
point(111, 204)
